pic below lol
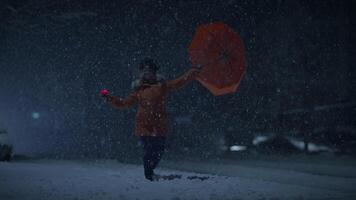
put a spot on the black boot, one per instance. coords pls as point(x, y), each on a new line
point(149, 174)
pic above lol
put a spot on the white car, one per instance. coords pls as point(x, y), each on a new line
point(5, 147)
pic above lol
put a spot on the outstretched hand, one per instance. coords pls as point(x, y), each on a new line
point(104, 93)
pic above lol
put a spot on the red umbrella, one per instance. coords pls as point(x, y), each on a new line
point(221, 54)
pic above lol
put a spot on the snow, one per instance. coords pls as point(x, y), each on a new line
point(108, 179)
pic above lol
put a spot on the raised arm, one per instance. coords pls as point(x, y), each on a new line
point(182, 80)
point(120, 103)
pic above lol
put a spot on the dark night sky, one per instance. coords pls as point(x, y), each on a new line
point(56, 55)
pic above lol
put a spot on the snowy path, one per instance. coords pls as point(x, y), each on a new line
point(48, 179)
point(340, 178)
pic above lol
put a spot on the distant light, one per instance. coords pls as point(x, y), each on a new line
point(259, 139)
point(297, 143)
point(311, 146)
point(238, 148)
point(35, 115)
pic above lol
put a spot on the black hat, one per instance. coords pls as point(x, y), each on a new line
point(148, 63)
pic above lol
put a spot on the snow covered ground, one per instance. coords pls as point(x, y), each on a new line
point(108, 179)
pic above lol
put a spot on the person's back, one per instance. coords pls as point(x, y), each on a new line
point(151, 117)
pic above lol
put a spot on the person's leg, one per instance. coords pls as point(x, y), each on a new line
point(158, 150)
point(153, 151)
point(147, 157)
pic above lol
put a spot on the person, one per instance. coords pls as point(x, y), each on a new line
point(151, 119)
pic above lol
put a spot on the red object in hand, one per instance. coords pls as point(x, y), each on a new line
point(104, 92)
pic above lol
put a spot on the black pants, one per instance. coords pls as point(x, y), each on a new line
point(153, 150)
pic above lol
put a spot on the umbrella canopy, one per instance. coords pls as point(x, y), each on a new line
point(221, 54)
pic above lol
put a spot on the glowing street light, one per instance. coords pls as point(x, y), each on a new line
point(35, 115)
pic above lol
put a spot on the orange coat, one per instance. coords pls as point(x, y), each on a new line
point(151, 117)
